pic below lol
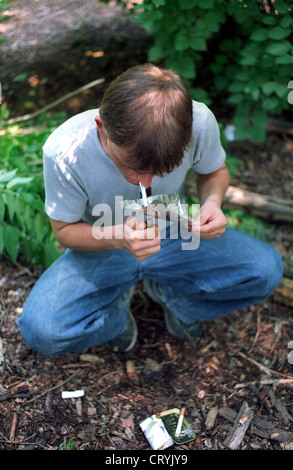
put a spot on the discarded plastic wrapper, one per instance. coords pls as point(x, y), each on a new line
point(160, 429)
point(163, 206)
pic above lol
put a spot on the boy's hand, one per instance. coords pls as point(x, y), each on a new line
point(141, 242)
point(211, 221)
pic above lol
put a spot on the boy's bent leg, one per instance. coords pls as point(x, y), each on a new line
point(222, 275)
point(80, 301)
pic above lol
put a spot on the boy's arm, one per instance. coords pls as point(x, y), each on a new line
point(131, 236)
point(211, 189)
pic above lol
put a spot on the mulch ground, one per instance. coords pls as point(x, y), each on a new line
point(241, 358)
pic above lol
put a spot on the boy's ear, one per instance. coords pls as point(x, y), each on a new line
point(99, 123)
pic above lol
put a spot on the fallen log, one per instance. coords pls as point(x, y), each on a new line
point(261, 426)
point(272, 209)
point(267, 207)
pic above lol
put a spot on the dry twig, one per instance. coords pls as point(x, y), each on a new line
point(52, 388)
point(54, 104)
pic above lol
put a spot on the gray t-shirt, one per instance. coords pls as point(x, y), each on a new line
point(79, 175)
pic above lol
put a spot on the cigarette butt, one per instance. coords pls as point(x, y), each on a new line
point(243, 420)
point(72, 394)
point(179, 424)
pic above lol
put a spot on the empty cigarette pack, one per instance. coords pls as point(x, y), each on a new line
point(156, 433)
point(160, 429)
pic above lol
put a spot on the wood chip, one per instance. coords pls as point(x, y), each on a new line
point(211, 418)
point(94, 358)
point(131, 371)
point(13, 426)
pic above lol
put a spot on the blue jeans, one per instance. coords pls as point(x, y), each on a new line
point(82, 300)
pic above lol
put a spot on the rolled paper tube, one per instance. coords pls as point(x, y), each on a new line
point(179, 424)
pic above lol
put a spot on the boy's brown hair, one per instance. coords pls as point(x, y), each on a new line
point(147, 111)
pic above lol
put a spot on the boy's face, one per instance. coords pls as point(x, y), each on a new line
point(119, 156)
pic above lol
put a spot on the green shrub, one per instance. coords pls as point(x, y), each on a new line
point(24, 225)
point(249, 224)
point(239, 51)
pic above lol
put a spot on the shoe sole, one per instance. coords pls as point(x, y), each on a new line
point(156, 298)
point(135, 329)
point(135, 334)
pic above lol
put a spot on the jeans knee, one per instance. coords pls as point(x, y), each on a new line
point(270, 271)
point(36, 336)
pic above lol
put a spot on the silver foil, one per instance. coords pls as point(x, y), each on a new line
point(163, 206)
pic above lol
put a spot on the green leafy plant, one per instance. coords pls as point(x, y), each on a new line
point(249, 224)
point(68, 446)
point(238, 50)
point(24, 226)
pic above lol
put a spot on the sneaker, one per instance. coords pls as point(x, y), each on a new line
point(127, 339)
point(175, 326)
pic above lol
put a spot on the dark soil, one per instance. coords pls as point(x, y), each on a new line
point(241, 357)
point(52, 48)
